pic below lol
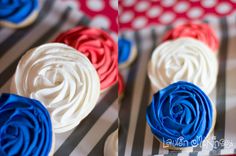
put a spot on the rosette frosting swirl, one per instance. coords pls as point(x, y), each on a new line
point(62, 79)
point(181, 115)
point(16, 11)
point(99, 47)
point(184, 59)
point(199, 31)
point(25, 127)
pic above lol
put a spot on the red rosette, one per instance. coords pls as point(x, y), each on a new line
point(100, 49)
point(199, 31)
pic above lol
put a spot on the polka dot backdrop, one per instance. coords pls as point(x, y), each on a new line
point(137, 14)
point(103, 13)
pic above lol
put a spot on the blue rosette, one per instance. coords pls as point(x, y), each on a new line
point(25, 127)
point(127, 52)
point(18, 13)
point(181, 115)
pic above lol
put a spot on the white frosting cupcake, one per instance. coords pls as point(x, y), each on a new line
point(111, 144)
point(184, 59)
point(60, 78)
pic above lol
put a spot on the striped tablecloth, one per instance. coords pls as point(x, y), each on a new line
point(135, 137)
point(56, 16)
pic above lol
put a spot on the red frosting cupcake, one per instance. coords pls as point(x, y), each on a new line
point(199, 31)
point(99, 47)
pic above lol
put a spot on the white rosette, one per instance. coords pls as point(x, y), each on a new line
point(183, 59)
point(62, 79)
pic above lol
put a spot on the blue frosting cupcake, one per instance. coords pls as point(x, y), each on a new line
point(18, 13)
point(181, 115)
point(127, 52)
point(25, 127)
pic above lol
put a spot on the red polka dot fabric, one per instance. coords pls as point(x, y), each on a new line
point(137, 14)
point(103, 13)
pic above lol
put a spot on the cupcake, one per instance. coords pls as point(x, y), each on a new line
point(121, 86)
point(62, 79)
point(25, 127)
point(183, 59)
point(199, 31)
point(100, 49)
point(111, 144)
point(18, 13)
point(181, 115)
point(127, 53)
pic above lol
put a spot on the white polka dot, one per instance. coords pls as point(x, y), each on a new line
point(209, 3)
point(223, 8)
point(128, 3)
point(95, 5)
point(168, 3)
point(154, 11)
point(100, 21)
point(180, 21)
point(142, 6)
point(114, 4)
point(126, 17)
point(211, 17)
point(234, 1)
point(167, 17)
point(195, 12)
point(139, 22)
point(181, 7)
